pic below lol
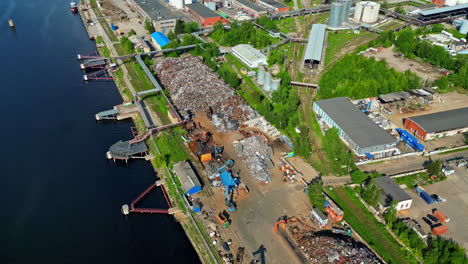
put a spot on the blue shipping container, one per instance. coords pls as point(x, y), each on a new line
point(113, 27)
point(426, 197)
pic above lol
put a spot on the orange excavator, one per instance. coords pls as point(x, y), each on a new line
point(282, 221)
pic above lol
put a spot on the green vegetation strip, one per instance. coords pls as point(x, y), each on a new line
point(365, 224)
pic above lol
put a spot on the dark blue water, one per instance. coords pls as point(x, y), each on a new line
point(60, 198)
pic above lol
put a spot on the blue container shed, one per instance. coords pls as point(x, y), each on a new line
point(188, 178)
point(113, 27)
point(159, 39)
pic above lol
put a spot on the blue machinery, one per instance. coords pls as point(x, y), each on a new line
point(229, 183)
point(410, 140)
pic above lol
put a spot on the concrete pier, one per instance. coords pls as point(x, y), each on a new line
point(160, 182)
point(125, 209)
point(173, 210)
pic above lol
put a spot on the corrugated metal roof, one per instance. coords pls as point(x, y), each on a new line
point(155, 9)
point(160, 38)
point(443, 121)
point(250, 5)
point(315, 44)
point(357, 125)
point(202, 10)
point(273, 3)
point(250, 53)
point(390, 188)
point(186, 175)
point(443, 9)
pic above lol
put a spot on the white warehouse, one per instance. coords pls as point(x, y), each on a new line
point(248, 55)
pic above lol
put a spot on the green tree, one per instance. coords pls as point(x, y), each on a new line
point(149, 27)
point(442, 82)
point(390, 214)
point(267, 23)
point(444, 251)
point(434, 167)
point(315, 193)
point(406, 42)
point(371, 192)
point(437, 28)
point(131, 32)
point(179, 27)
point(171, 35)
point(358, 176)
point(190, 27)
point(400, 10)
point(341, 160)
point(302, 142)
point(384, 4)
point(127, 45)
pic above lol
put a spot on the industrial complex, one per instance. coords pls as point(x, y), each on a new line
point(239, 129)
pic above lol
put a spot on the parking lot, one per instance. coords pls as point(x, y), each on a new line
point(454, 191)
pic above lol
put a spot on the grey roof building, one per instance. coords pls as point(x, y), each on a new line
point(249, 7)
point(443, 10)
point(153, 10)
point(202, 10)
point(360, 133)
point(313, 53)
point(392, 192)
point(442, 121)
point(188, 178)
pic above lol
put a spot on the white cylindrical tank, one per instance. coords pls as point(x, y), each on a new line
point(188, 2)
point(366, 11)
point(261, 75)
point(267, 85)
point(450, 2)
point(275, 83)
point(178, 4)
point(461, 2)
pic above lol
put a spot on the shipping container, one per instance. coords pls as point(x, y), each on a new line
point(426, 197)
point(113, 27)
point(439, 215)
point(439, 230)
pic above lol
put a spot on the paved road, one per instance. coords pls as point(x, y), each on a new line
point(410, 163)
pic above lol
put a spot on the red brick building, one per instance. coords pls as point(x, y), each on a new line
point(274, 6)
point(205, 16)
point(437, 125)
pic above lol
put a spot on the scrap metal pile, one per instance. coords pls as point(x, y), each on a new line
point(193, 87)
point(334, 249)
point(256, 154)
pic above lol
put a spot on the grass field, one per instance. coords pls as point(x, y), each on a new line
point(414, 179)
point(365, 224)
point(336, 42)
point(286, 25)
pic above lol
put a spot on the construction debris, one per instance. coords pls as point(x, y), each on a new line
point(332, 248)
point(256, 154)
point(194, 87)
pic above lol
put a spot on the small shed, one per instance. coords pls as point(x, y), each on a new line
point(447, 170)
point(188, 177)
point(320, 217)
point(159, 40)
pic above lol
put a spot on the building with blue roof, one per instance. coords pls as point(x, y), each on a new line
point(159, 40)
point(188, 178)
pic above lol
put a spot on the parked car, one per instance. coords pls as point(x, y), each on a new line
point(433, 218)
point(416, 223)
point(427, 221)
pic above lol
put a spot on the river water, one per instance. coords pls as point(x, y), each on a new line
point(60, 198)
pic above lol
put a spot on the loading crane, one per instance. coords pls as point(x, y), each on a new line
point(226, 166)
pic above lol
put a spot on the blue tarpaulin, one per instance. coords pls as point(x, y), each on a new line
point(160, 38)
point(227, 180)
point(370, 156)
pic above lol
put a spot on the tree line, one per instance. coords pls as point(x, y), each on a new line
point(408, 42)
point(240, 33)
point(358, 77)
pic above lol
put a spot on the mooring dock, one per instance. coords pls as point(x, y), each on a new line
point(124, 150)
point(119, 112)
point(133, 209)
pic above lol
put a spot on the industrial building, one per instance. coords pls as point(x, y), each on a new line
point(390, 191)
point(160, 16)
point(443, 12)
point(139, 43)
point(274, 6)
point(436, 125)
point(187, 177)
point(355, 128)
point(339, 13)
point(366, 11)
point(267, 80)
point(159, 40)
point(314, 50)
point(249, 7)
point(205, 16)
point(249, 55)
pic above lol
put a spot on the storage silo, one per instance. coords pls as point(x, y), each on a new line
point(464, 27)
point(335, 19)
point(367, 11)
point(267, 85)
point(179, 4)
point(275, 83)
point(345, 11)
point(261, 75)
point(450, 2)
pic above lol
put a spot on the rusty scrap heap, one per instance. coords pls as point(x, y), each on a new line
point(256, 154)
point(193, 87)
point(335, 249)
